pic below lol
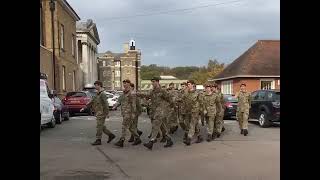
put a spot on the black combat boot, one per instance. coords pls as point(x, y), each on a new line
point(187, 141)
point(163, 139)
point(169, 143)
point(209, 138)
point(245, 132)
point(137, 141)
point(131, 138)
point(185, 136)
point(171, 131)
point(241, 131)
point(149, 145)
point(223, 129)
point(111, 137)
point(218, 135)
point(139, 132)
point(199, 139)
point(119, 143)
point(97, 142)
point(214, 135)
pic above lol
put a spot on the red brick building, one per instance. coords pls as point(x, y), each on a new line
point(258, 67)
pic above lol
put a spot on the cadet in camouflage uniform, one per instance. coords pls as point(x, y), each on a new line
point(101, 108)
point(128, 112)
point(220, 114)
point(211, 104)
point(181, 109)
point(172, 113)
point(201, 97)
point(192, 105)
point(139, 111)
point(244, 104)
point(159, 97)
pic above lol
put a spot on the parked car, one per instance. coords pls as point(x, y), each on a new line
point(61, 112)
point(77, 100)
point(230, 105)
point(46, 105)
point(112, 100)
point(265, 107)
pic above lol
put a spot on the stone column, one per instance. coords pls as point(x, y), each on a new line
point(85, 62)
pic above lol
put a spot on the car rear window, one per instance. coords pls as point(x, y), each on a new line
point(277, 96)
point(76, 94)
point(230, 99)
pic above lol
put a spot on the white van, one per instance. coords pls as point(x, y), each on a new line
point(46, 106)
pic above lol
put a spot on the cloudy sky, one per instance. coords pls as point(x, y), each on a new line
point(182, 32)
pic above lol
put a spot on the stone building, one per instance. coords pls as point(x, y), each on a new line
point(115, 67)
point(65, 55)
point(87, 42)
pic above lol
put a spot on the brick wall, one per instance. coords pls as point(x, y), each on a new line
point(253, 84)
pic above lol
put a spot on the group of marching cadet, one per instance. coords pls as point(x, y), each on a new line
point(171, 108)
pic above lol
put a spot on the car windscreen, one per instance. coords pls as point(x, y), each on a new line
point(230, 99)
point(276, 96)
point(76, 94)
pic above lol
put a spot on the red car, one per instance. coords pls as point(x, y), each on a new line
point(77, 100)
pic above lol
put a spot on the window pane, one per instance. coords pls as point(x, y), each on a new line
point(261, 95)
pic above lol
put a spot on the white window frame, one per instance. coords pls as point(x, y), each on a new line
point(272, 83)
point(227, 87)
point(117, 73)
point(74, 80)
point(62, 36)
point(72, 45)
point(63, 78)
point(117, 83)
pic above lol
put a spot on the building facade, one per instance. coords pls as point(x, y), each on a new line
point(258, 67)
point(113, 68)
point(87, 42)
point(63, 37)
point(164, 82)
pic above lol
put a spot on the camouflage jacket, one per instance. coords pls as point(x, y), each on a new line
point(138, 102)
point(99, 104)
point(221, 108)
point(181, 105)
point(128, 103)
point(211, 104)
point(191, 102)
point(244, 101)
point(174, 94)
point(159, 101)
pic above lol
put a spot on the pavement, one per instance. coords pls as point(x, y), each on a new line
point(66, 154)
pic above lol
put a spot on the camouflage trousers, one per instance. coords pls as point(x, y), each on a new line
point(159, 125)
point(218, 123)
point(242, 118)
point(184, 122)
point(101, 128)
point(128, 124)
point(194, 126)
point(211, 125)
point(172, 118)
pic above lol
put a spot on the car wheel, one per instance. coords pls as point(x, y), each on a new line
point(263, 120)
point(52, 124)
point(59, 118)
point(66, 118)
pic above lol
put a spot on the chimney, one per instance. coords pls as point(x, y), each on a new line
point(126, 47)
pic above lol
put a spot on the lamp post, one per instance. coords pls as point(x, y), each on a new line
point(52, 9)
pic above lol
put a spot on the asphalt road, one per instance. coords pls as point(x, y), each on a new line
point(66, 153)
